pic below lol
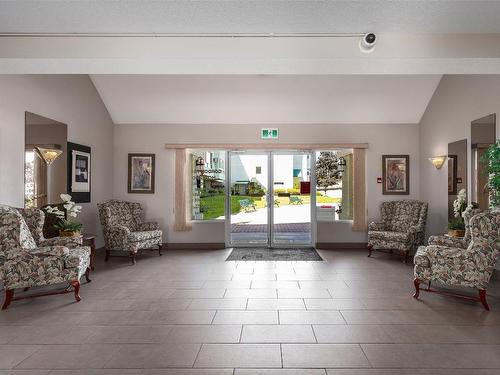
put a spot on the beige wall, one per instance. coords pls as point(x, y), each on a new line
point(457, 101)
point(382, 139)
point(72, 100)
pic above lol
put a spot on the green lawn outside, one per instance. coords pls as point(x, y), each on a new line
point(213, 206)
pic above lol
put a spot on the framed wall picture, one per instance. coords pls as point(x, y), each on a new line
point(396, 174)
point(79, 172)
point(141, 173)
point(452, 174)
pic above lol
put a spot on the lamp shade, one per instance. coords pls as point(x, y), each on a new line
point(438, 161)
point(48, 154)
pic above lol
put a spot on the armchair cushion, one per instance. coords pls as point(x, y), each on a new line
point(71, 242)
point(144, 235)
point(152, 225)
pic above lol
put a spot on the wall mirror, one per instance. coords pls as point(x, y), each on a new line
point(483, 134)
point(45, 163)
point(457, 171)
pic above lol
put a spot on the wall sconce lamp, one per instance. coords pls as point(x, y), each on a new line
point(438, 161)
point(48, 155)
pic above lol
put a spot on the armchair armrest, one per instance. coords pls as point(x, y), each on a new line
point(152, 225)
point(446, 241)
point(67, 257)
point(70, 242)
point(118, 230)
point(377, 226)
point(51, 251)
point(442, 254)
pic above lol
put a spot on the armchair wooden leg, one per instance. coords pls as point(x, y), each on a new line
point(482, 298)
point(160, 247)
point(87, 275)
point(370, 249)
point(76, 285)
point(107, 255)
point(416, 282)
point(9, 296)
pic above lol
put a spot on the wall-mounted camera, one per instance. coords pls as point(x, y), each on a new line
point(367, 42)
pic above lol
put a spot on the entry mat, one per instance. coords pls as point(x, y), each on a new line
point(276, 254)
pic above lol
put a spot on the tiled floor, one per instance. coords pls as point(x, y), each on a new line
point(192, 313)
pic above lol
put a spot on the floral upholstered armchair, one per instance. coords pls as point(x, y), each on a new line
point(124, 229)
point(470, 266)
point(402, 227)
point(28, 260)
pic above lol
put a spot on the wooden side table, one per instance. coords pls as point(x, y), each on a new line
point(89, 240)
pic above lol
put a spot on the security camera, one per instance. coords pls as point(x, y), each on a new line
point(367, 43)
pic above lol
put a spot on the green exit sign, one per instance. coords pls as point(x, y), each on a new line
point(271, 133)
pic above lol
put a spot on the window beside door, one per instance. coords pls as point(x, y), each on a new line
point(334, 188)
point(208, 176)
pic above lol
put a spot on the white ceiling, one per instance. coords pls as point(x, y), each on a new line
point(241, 16)
point(238, 99)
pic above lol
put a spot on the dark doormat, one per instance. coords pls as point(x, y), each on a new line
point(276, 254)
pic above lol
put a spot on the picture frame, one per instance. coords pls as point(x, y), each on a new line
point(452, 174)
point(396, 174)
point(79, 174)
point(141, 173)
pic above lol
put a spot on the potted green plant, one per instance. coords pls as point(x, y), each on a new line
point(492, 160)
point(456, 226)
point(67, 225)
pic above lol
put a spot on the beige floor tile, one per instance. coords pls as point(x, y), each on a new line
point(277, 334)
point(96, 372)
point(154, 356)
point(128, 334)
point(270, 284)
point(204, 334)
point(190, 371)
point(239, 355)
point(198, 293)
point(69, 357)
point(235, 284)
point(433, 355)
point(333, 304)
point(251, 293)
point(347, 334)
point(411, 372)
point(183, 317)
point(275, 304)
point(246, 317)
point(303, 293)
point(12, 355)
point(218, 304)
point(282, 371)
point(323, 355)
point(310, 317)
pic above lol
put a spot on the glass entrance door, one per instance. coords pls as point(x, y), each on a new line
point(293, 201)
point(269, 200)
point(248, 192)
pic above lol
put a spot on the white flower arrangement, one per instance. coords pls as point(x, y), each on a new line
point(460, 203)
point(72, 211)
